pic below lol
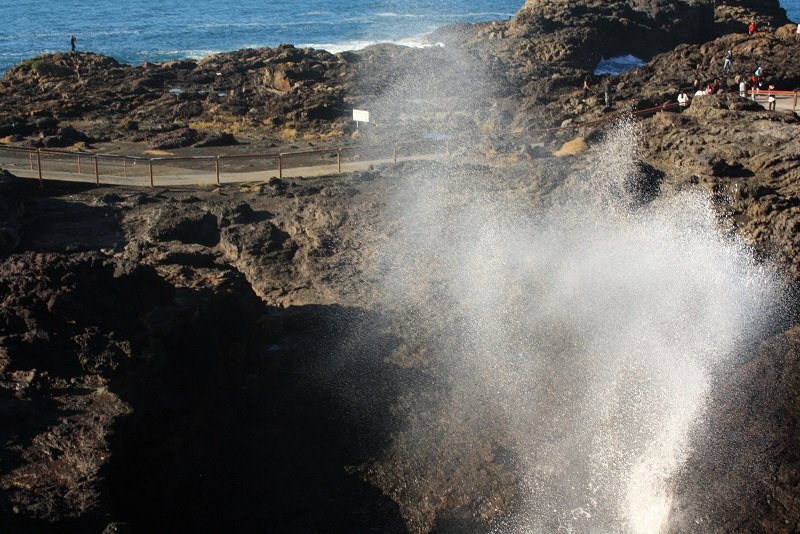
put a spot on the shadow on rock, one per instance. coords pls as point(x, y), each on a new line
point(251, 427)
point(46, 220)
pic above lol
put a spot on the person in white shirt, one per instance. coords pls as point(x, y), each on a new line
point(683, 101)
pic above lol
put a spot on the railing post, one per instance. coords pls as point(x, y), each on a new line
point(150, 162)
point(794, 104)
point(339, 160)
point(79, 164)
point(96, 171)
point(124, 168)
point(394, 154)
point(30, 159)
point(216, 168)
point(39, 165)
point(280, 166)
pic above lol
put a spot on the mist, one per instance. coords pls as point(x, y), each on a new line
point(571, 338)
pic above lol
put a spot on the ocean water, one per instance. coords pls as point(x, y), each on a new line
point(151, 30)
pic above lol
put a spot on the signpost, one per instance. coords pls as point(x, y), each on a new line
point(360, 115)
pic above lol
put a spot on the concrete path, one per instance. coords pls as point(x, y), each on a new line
point(167, 176)
point(782, 102)
point(167, 173)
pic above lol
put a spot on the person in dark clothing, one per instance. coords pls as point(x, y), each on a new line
point(727, 62)
point(72, 41)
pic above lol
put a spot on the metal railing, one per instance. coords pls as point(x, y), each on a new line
point(766, 93)
point(138, 170)
point(191, 170)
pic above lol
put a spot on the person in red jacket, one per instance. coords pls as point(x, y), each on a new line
point(752, 28)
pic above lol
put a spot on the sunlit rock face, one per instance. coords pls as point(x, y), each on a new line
point(580, 33)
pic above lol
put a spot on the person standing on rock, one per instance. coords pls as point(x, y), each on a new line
point(743, 88)
point(607, 93)
point(683, 101)
point(752, 28)
point(585, 87)
point(72, 41)
point(727, 62)
point(797, 33)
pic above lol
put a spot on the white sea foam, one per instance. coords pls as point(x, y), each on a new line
point(392, 14)
point(178, 54)
point(618, 64)
point(419, 41)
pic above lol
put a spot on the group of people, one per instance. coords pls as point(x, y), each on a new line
point(710, 88)
point(756, 82)
point(758, 79)
point(684, 100)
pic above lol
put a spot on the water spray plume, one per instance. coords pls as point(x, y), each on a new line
point(582, 336)
point(570, 326)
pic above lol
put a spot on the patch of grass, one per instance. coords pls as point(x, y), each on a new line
point(331, 134)
point(39, 65)
point(206, 126)
point(288, 134)
point(159, 153)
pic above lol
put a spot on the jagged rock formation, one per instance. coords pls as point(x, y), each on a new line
point(275, 89)
point(132, 360)
point(579, 34)
point(284, 93)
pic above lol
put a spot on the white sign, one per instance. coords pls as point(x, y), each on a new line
point(360, 115)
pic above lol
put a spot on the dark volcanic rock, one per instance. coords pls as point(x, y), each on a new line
point(16, 126)
point(188, 225)
point(11, 209)
point(218, 139)
point(68, 325)
point(580, 34)
point(301, 87)
point(743, 474)
point(116, 387)
point(181, 137)
point(66, 136)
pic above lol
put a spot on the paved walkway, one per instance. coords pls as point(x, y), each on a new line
point(782, 102)
point(176, 176)
point(167, 173)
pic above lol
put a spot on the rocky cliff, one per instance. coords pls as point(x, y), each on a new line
point(580, 35)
